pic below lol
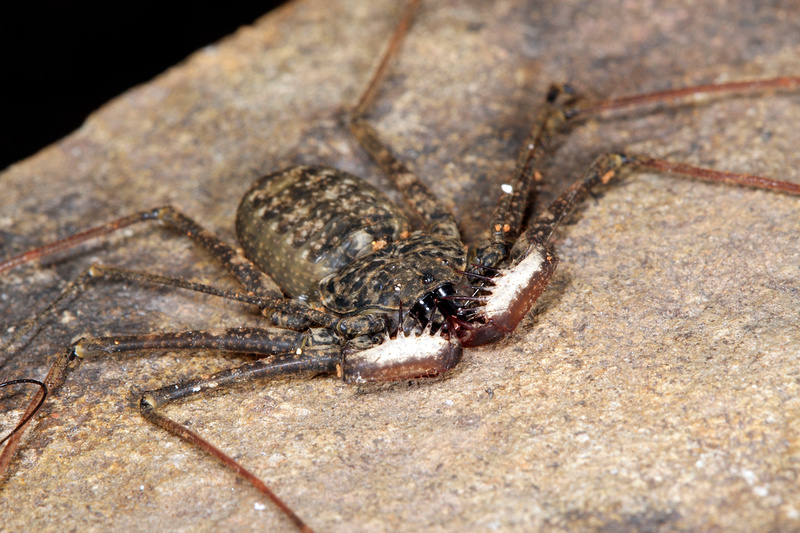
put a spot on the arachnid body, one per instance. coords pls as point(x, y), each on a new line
point(395, 444)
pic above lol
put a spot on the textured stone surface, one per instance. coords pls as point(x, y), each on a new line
point(656, 387)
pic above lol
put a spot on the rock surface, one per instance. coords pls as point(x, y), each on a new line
point(656, 386)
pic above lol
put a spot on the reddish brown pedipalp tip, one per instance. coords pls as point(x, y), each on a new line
point(514, 292)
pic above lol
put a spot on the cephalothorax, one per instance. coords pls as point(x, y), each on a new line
point(348, 283)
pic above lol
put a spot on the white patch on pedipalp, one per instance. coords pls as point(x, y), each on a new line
point(404, 348)
point(509, 284)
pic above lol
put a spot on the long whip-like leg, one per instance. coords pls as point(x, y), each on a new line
point(607, 168)
point(555, 117)
point(52, 381)
point(513, 291)
point(437, 219)
point(298, 353)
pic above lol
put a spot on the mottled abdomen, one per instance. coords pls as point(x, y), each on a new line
point(304, 223)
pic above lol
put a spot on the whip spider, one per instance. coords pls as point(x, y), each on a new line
point(560, 348)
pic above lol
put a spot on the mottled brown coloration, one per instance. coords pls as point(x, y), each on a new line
point(657, 389)
point(319, 232)
point(303, 224)
point(436, 219)
point(395, 277)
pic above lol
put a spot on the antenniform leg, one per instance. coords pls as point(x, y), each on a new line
point(529, 264)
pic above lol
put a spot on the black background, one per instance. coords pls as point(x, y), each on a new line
point(60, 60)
